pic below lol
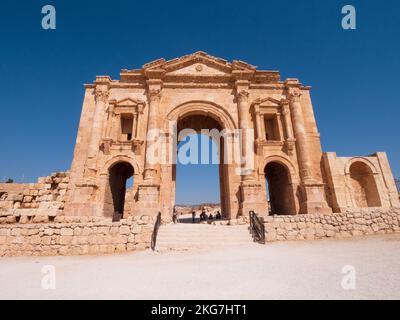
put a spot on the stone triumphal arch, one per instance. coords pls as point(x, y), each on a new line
point(268, 152)
point(268, 122)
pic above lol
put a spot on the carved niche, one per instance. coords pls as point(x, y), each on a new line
point(123, 126)
point(273, 125)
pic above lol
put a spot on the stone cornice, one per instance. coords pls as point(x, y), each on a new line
point(191, 84)
point(265, 77)
point(102, 80)
point(227, 74)
point(154, 73)
point(187, 85)
point(292, 83)
point(165, 70)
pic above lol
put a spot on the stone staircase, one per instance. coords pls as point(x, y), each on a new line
point(189, 236)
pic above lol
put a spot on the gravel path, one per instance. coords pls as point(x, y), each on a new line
point(292, 270)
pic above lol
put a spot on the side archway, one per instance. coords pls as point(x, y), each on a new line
point(118, 176)
point(293, 177)
point(118, 196)
point(365, 161)
point(365, 191)
point(281, 185)
point(121, 158)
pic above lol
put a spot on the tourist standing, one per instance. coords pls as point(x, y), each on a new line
point(193, 216)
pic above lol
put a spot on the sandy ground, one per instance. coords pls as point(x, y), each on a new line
point(292, 270)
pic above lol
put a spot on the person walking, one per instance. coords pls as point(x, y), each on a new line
point(193, 216)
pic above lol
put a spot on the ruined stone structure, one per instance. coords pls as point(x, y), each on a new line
point(270, 123)
point(199, 91)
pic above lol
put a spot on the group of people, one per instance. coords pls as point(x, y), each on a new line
point(205, 217)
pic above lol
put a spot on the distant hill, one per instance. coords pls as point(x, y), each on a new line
point(199, 205)
point(184, 208)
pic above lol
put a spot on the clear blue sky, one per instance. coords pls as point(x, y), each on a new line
point(354, 74)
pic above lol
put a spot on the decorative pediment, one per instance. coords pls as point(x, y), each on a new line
point(199, 67)
point(267, 102)
point(129, 102)
point(127, 105)
point(267, 105)
point(196, 64)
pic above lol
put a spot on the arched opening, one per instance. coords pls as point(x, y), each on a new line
point(120, 181)
point(200, 174)
point(279, 189)
point(365, 191)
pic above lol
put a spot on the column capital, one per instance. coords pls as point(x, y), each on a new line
point(294, 94)
point(154, 94)
point(101, 95)
point(101, 89)
point(243, 95)
point(154, 89)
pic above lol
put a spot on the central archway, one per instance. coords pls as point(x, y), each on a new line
point(204, 156)
point(198, 116)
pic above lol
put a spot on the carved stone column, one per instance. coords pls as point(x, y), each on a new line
point(95, 135)
point(301, 136)
point(243, 111)
point(263, 134)
point(313, 193)
point(117, 129)
point(101, 100)
point(134, 125)
point(279, 122)
point(290, 140)
point(258, 123)
point(109, 121)
point(107, 140)
point(152, 141)
point(250, 189)
point(138, 121)
point(149, 201)
point(286, 118)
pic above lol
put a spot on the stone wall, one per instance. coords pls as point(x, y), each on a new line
point(339, 225)
point(33, 202)
point(76, 236)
